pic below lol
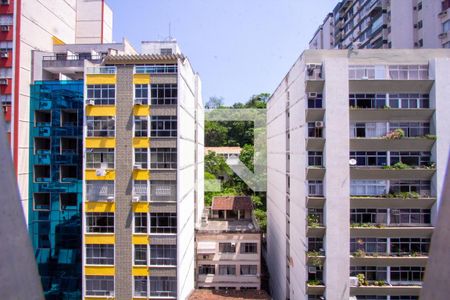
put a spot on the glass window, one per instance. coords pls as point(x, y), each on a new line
point(227, 270)
point(227, 247)
point(163, 158)
point(410, 217)
point(371, 158)
point(369, 245)
point(368, 216)
point(315, 244)
point(164, 94)
point(408, 246)
point(367, 100)
point(100, 222)
point(163, 191)
point(206, 269)
point(140, 286)
point(163, 286)
point(247, 248)
point(99, 285)
point(99, 254)
point(368, 187)
point(100, 190)
point(156, 69)
point(141, 93)
point(99, 158)
point(140, 126)
point(411, 158)
point(249, 269)
point(140, 189)
point(369, 272)
point(163, 255)
point(315, 158)
point(315, 188)
point(102, 94)
point(163, 223)
point(100, 126)
point(141, 157)
point(163, 126)
point(140, 222)
point(140, 255)
point(407, 274)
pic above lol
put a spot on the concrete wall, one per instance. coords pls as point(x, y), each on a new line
point(94, 22)
point(402, 24)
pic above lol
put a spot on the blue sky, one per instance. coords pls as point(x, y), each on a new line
point(239, 47)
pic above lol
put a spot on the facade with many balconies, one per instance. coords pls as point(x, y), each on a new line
point(357, 150)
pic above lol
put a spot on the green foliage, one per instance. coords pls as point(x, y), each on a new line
point(314, 258)
point(314, 282)
point(359, 253)
point(362, 280)
point(395, 134)
point(261, 216)
point(431, 136)
point(379, 283)
point(398, 166)
point(404, 195)
point(313, 221)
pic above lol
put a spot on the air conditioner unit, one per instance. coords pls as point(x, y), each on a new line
point(4, 28)
point(138, 101)
point(3, 81)
point(90, 102)
point(136, 198)
point(312, 270)
point(110, 198)
point(4, 54)
point(442, 14)
point(354, 282)
point(233, 244)
point(312, 95)
point(100, 172)
point(137, 166)
point(318, 124)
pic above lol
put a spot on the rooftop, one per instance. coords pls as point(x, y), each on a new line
point(236, 150)
point(229, 226)
point(229, 295)
point(232, 203)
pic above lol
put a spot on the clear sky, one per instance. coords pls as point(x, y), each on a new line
point(239, 47)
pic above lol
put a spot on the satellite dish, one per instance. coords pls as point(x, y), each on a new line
point(352, 162)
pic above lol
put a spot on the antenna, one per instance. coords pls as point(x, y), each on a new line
point(170, 31)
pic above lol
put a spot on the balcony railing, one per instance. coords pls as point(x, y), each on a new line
point(390, 72)
point(156, 69)
point(72, 57)
point(101, 70)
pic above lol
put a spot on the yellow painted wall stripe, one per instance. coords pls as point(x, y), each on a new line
point(91, 175)
point(99, 239)
point(141, 110)
point(57, 41)
point(141, 142)
point(140, 239)
point(99, 270)
point(140, 271)
point(141, 79)
point(100, 110)
point(101, 79)
point(141, 207)
point(100, 142)
point(141, 175)
point(99, 207)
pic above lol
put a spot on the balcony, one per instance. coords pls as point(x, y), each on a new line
point(314, 78)
point(382, 144)
point(413, 290)
point(62, 63)
point(398, 232)
point(391, 114)
point(315, 173)
point(316, 289)
point(362, 172)
point(315, 202)
point(315, 114)
point(385, 260)
point(315, 144)
point(395, 203)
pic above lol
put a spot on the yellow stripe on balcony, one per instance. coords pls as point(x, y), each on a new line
point(99, 270)
point(140, 271)
point(141, 207)
point(91, 175)
point(98, 239)
point(141, 142)
point(140, 239)
point(141, 110)
point(100, 110)
point(141, 79)
point(99, 207)
point(141, 175)
point(101, 79)
point(100, 142)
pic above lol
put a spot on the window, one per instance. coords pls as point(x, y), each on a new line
point(102, 94)
point(315, 244)
point(163, 126)
point(370, 273)
point(368, 187)
point(423, 187)
point(419, 24)
point(163, 191)
point(100, 126)
point(99, 254)
point(42, 145)
point(403, 297)
point(100, 222)
point(166, 51)
point(140, 222)
point(410, 217)
point(141, 93)
point(140, 189)
point(367, 130)
point(42, 118)
point(68, 145)
point(99, 285)
point(314, 131)
point(141, 157)
point(227, 247)
point(100, 190)
point(408, 72)
point(41, 201)
point(367, 100)
point(446, 26)
point(41, 173)
point(164, 94)
point(68, 172)
point(249, 269)
point(369, 245)
point(315, 158)
point(407, 246)
point(411, 158)
point(163, 158)
point(315, 216)
point(68, 201)
point(140, 126)
point(368, 216)
point(206, 270)
point(315, 188)
point(156, 69)
point(163, 255)
point(247, 248)
point(163, 222)
point(409, 101)
point(69, 117)
point(140, 286)
point(140, 255)
point(163, 286)
point(227, 270)
point(97, 158)
point(406, 274)
point(369, 158)
point(412, 129)
point(315, 101)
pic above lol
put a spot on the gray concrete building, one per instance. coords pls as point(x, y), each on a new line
point(358, 146)
point(142, 177)
point(373, 24)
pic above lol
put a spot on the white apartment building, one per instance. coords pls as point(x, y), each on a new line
point(143, 175)
point(29, 25)
point(357, 152)
point(371, 24)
